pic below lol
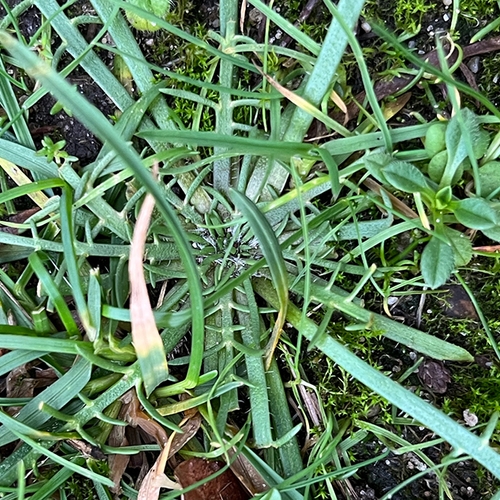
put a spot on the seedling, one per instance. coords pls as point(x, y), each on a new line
point(453, 148)
point(54, 151)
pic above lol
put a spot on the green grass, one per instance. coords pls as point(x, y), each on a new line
point(262, 252)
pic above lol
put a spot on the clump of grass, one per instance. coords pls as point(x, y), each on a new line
point(255, 229)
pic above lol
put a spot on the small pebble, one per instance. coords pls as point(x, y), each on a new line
point(473, 64)
point(447, 3)
point(366, 27)
point(446, 18)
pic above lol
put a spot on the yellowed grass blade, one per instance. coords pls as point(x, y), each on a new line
point(145, 336)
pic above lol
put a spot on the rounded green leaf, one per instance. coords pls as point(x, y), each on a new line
point(435, 138)
point(437, 262)
point(462, 246)
point(489, 176)
point(475, 213)
point(405, 177)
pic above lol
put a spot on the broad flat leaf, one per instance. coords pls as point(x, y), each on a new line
point(435, 141)
point(493, 233)
point(375, 163)
point(405, 177)
point(489, 176)
point(437, 262)
point(456, 141)
point(462, 246)
point(475, 213)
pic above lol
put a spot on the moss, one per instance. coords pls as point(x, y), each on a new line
point(400, 14)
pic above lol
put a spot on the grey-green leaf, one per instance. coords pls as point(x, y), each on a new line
point(437, 262)
point(462, 246)
point(475, 213)
point(456, 141)
point(405, 177)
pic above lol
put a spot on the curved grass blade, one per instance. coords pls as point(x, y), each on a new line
point(274, 257)
point(55, 295)
point(98, 124)
point(68, 240)
point(145, 336)
point(27, 189)
point(88, 473)
point(57, 395)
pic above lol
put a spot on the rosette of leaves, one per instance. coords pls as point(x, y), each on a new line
point(157, 7)
point(450, 146)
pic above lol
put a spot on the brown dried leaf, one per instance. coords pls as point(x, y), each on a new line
point(156, 479)
point(223, 487)
point(393, 107)
point(118, 463)
point(248, 475)
point(137, 418)
point(145, 336)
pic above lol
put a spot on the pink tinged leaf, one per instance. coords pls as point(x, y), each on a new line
point(145, 336)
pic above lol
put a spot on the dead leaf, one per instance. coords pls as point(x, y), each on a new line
point(86, 449)
point(396, 203)
point(145, 336)
point(156, 479)
point(470, 418)
point(340, 104)
point(137, 418)
point(459, 304)
point(223, 487)
point(435, 376)
point(118, 463)
point(393, 107)
point(248, 475)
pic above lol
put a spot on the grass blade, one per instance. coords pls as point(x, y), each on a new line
point(460, 438)
point(97, 123)
point(272, 252)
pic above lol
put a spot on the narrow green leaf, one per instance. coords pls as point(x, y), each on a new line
point(17, 358)
point(475, 213)
point(457, 435)
point(333, 170)
point(33, 187)
point(437, 262)
point(259, 398)
point(274, 257)
point(405, 177)
point(94, 302)
point(283, 424)
point(68, 239)
point(55, 295)
point(246, 145)
point(58, 459)
point(57, 395)
point(335, 298)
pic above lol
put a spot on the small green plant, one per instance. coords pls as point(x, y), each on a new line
point(448, 146)
point(54, 151)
